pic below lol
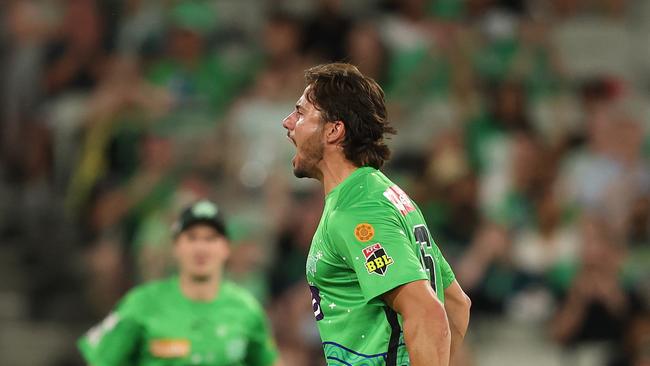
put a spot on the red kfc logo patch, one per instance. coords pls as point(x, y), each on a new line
point(377, 260)
point(400, 199)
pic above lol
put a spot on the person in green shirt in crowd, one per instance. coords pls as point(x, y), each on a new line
point(195, 318)
point(382, 293)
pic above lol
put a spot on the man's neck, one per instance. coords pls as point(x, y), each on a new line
point(199, 290)
point(334, 171)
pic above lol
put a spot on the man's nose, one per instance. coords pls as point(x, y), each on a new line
point(289, 122)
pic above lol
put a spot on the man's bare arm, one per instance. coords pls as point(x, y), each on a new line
point(426, 329)
point(457, 305)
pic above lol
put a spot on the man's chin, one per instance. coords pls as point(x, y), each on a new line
point(297, 169)
point(302, 168)
point(201, 277)
point(300, 172)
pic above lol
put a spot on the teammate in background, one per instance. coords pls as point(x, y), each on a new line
point(195, 318)
point(378, 281)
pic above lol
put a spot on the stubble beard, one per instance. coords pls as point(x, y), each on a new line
point(313, 154)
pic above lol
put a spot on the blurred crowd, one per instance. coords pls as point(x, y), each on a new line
point(523, 136)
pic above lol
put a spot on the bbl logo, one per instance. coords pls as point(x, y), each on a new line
point(377, 260)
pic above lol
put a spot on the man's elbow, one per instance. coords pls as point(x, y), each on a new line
point(467, 302)
point(462, 308)
point(456, 298)
point(437, 317)
point(431, 313)
point(436, 311)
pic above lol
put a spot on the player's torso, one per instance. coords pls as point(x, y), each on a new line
point(178, 332)
point(353, 331)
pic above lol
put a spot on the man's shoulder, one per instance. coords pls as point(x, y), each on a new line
point(143, 295)
point(369, 207)
point(240, 297)
point(153, 287)
point(366, 192)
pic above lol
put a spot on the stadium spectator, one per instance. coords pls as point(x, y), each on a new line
point(597, 304)
point(517, 120)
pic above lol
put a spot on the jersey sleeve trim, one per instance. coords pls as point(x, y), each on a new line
point(448, 280)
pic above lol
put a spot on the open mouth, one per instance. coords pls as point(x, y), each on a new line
point(292, 140)
point(293, 160)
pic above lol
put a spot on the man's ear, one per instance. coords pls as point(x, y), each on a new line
point(334, 132)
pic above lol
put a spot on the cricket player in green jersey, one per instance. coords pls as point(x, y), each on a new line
point(195, 318)
point(382, 293)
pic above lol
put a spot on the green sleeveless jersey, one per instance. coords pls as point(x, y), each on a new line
point(371, 239)
point(156, 325)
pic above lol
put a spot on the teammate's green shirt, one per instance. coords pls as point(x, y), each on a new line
point(371, 239)
point(156, 325)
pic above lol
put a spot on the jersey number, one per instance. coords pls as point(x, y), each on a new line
point(315, 303)
point(421, 234)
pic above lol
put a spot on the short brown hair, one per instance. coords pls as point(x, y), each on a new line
point(342, 93)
